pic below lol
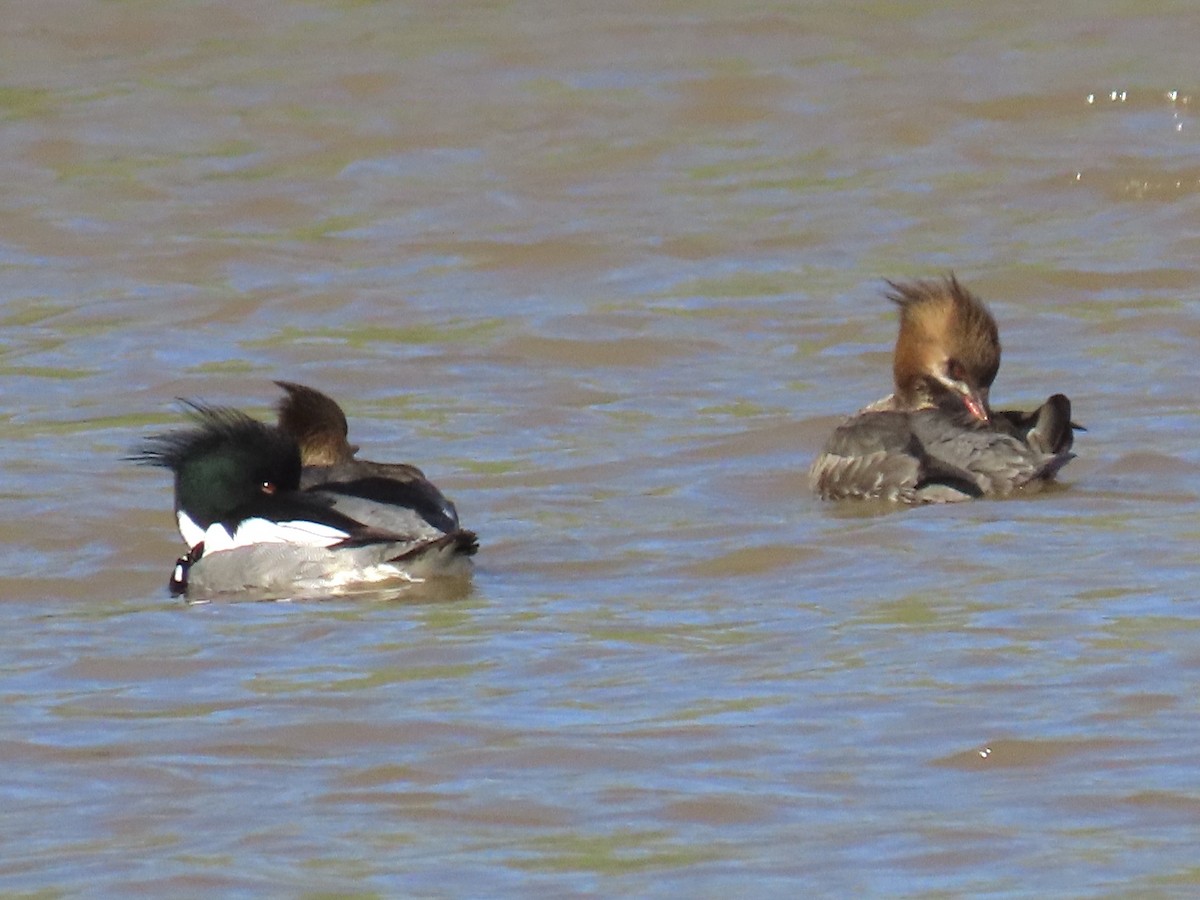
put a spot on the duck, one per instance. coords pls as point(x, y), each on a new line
point(318, 425)
point(935, 438)
point(251, 526)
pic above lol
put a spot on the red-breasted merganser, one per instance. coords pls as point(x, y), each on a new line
point(935, 439)
point(257, 520)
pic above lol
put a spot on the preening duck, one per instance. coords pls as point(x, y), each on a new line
point(936, 438)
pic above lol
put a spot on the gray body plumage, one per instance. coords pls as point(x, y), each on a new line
point(296, 571)
point(415, 505)
point(397, 539)
point(933, 456)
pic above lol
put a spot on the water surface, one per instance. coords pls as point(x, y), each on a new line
point(609, 274)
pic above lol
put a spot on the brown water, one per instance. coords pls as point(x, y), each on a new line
point(609, 273)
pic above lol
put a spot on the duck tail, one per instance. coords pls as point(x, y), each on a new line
point(465, 543)
point(458, 543)
point(1053, 432)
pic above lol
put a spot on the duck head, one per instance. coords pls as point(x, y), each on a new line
point(224, 466)
point(948, 349)
point(317, 424)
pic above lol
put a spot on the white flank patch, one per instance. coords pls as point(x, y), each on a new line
point(264, 531)
point(192, 533)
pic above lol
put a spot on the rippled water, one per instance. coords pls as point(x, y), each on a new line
point(609, 274)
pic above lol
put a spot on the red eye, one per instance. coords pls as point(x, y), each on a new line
point(267, 487)
point(956, 370)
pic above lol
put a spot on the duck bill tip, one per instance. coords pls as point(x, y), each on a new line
point(977, 408)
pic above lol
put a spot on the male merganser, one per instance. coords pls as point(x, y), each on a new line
point(935, 439)
point(251, 526)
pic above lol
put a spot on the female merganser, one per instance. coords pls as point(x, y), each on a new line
point(317, 423)
point(936, 438)
point(319, 426)
point(251, 526)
